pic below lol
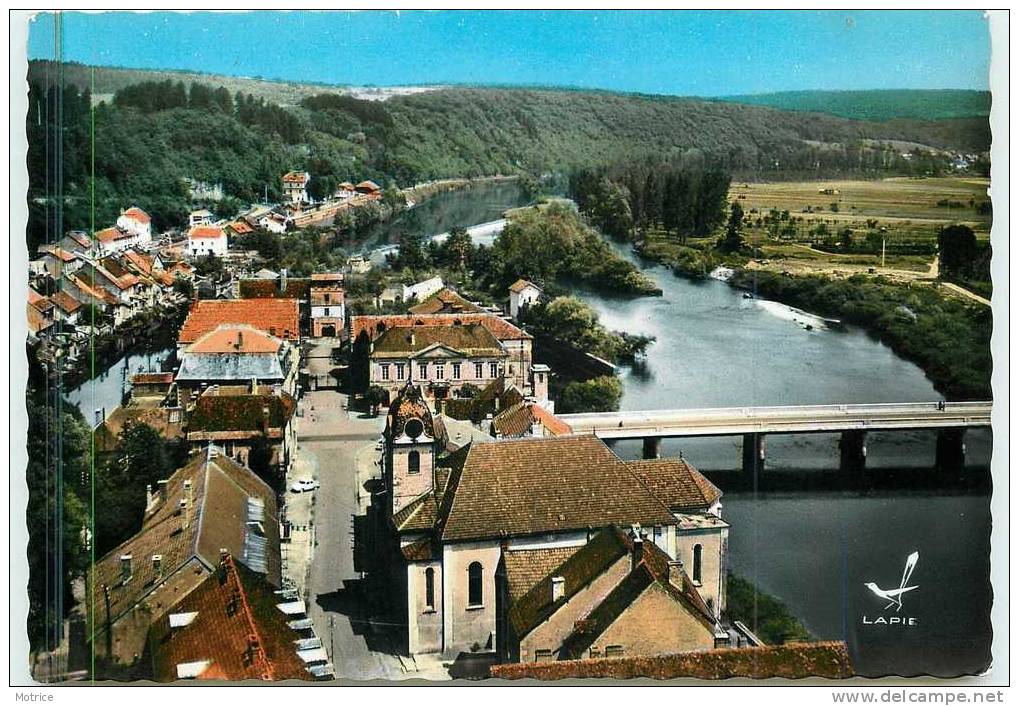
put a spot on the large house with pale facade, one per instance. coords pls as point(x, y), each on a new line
point(442, 352)
point(538, 548)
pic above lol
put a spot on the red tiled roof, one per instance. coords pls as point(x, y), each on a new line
point(137, 214)
point(445, 301)
point(203, 232)
point(142, 262)
point(238, 629)
point(296, 177)
point(517, 420)
point(368, 185)
point(296, 288)
point(241, 228)
point(278, 317)
point(829, 660)
point(65, 302)
point(108, 235)
point(236, 338)
point(59, 252)
point(499, 327)
point(36, 321)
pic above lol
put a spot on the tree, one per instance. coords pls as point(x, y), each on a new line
point(374, 396)
point(732, 241)
point(957, 250)
point(600, 394)
point(58, 451)
point(468, 391)
point(455, 250)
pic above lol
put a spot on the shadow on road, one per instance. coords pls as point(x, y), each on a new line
point(380, 632)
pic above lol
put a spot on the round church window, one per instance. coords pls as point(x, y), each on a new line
point(414, 428)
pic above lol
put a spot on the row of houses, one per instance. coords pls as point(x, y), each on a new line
point(198, 591)
point(75, 294)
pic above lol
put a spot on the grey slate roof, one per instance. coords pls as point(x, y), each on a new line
point(229, 366)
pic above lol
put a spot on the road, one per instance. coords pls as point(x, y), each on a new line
point(336, 603)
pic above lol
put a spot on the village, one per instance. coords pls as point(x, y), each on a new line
point(385, 495)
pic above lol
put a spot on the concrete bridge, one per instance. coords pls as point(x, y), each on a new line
point(853, 421)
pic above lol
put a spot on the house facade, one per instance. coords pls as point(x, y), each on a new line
point(513, 364)
point(522, 294)
point(295, 188)
point(207, 240)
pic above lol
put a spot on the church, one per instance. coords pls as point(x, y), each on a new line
point(538, 549)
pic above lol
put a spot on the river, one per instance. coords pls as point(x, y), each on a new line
point(813, 551)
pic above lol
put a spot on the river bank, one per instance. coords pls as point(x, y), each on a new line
point(948, 338)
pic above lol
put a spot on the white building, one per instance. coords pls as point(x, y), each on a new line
point(295, 187)
point(207, 240)
point(201, 217)
point(522, 294)
point(136, 222)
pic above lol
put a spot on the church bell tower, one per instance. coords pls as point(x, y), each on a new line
point(410, 448)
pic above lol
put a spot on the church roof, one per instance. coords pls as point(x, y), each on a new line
point(444, 301)
point(678, 484)
point(526, 567)
point(529, 486)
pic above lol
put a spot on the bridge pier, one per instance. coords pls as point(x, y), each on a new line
point(753, 454)
point(853, 451)
point(950, 452)
point(652, 447)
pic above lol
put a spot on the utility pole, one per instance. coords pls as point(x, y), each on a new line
point(883, 251)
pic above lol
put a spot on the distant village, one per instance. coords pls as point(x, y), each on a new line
point(484, 531)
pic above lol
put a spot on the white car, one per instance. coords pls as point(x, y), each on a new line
point(302, 484)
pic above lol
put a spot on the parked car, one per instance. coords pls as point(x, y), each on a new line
point(302, 484)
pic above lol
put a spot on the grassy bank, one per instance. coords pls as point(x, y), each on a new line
point(948, 338)
point(765, 615)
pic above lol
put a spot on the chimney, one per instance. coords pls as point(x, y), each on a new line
point(240, 340)
point(676, 573)
point(638, 545)
point(283, 279)
point(161, 486)
point(157, 565)
point(558, 588)
point(125, 568)
point(410, 338)
point(223, 554)
point(149, 497)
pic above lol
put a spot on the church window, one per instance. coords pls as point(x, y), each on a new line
point(414, 462)
point(475, 595)
point(697, 563)
point(429, 587)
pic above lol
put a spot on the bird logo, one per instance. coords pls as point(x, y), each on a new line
point(894, 596)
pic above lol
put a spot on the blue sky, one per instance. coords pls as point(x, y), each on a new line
point(680, 53)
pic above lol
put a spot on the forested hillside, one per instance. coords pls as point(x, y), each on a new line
point(152, 137)
point(879, 105)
